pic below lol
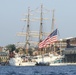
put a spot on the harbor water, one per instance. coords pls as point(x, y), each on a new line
point(38, 70)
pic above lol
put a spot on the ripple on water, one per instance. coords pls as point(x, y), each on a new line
point(38, 70)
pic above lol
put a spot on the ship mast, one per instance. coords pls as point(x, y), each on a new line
point(41, 18)
point(52, 27)
point(27, 33)
point(30, 34)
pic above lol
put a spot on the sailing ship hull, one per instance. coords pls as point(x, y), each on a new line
point(18, 62)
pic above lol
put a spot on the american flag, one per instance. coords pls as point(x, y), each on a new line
point(49, 40)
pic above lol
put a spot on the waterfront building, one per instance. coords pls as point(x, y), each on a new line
point(4, 57)
point(68, 48)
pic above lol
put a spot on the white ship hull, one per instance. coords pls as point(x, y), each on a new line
point(18, 62)
point(61, 64)
point(52, 60)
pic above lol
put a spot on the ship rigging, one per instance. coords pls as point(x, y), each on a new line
point(37, 34)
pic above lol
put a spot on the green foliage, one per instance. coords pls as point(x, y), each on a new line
point(17, 50)
point(30, 51)
point(11, 47)
point(24, 51)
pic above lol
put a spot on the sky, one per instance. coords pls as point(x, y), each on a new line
point(12, 11)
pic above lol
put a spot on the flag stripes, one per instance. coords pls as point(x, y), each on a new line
point(49, 40)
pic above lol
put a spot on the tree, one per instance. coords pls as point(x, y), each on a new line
point(30, 51)
point(11, 47)
point(17, 50)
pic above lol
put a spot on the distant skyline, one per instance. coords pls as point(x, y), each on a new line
point(12, 11)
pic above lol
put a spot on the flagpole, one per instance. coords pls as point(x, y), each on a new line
point(60, 46)
point(54, 48)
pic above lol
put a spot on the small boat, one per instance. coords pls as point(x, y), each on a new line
point(42, 64)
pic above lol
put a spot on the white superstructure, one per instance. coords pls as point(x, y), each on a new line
point(18, 61)
point(49, 58)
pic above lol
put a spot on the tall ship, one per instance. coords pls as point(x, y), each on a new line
point(53, 54)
